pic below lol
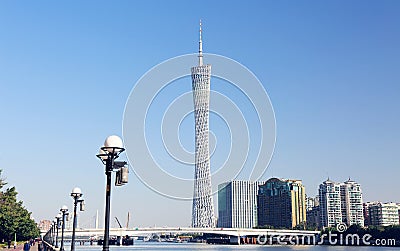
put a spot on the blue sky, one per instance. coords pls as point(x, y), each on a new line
point(66, 70)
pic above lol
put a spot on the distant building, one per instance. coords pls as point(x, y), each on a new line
point(69, 221)
point(313, 217)
point(383, 214)
point(341, 203)
point(330, 204)
point(398, 206)
point(311, 202)
point(281, 203)
point(367, 219)
point(312, 212)
point(44, 225)
point(237, 204)
point(352, 203)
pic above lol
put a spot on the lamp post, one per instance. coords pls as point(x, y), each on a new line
point(64, 211)
point(58, 218)
point(76, 194)
point(54, 226)
point(53, 233)
point(50, 234)
point(108, 153)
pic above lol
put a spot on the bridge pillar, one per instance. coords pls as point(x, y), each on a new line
point(234, 240)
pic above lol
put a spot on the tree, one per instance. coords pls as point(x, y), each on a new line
point(2, 182)
point(14, 217)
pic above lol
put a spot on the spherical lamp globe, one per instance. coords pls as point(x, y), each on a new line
point(64, 208)
point(76, 192)
point(113, 143)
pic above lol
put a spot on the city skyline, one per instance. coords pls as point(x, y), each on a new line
point(239, 206)
point(330, 70)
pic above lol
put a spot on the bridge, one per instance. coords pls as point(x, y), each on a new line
point(233, 233)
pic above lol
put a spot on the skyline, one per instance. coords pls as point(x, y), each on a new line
point(329, 69)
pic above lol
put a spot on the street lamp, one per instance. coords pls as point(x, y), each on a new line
point(53, 239)
point(50, 232)
point(64, 211)
point(58, 218)
point(76, 194)
point(111, 150)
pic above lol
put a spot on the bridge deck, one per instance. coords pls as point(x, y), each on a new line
point(87, 233)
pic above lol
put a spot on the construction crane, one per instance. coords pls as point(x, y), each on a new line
point(120, 226)
point(127, 221)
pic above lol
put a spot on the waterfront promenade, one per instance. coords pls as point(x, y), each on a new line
point(20, 247)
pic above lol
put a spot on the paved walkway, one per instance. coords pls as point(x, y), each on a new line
point(20, 247)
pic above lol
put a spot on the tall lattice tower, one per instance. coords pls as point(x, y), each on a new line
point(203, 207)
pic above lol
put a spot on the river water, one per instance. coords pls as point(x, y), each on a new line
point(154, 246)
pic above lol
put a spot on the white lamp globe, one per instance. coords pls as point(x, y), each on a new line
point(113, 141)
point(64, 208)
point(76, 192)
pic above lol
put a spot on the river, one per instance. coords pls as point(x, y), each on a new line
point(154, 246)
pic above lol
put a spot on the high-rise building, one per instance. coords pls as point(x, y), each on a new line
point(281, 203)
point(398, 207)
point(44, 225)
point(312, 212)
point(237, 204)
point(340, 203)
point(367, 219)
point(351, 203)
point(330, 204)
point(203, 208)
point(311, 202)
point(383, 214)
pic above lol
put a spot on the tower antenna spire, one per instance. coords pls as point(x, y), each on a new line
point(200, 48)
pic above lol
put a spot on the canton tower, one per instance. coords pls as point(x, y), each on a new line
point(203, 207)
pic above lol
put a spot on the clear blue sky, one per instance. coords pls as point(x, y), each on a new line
point(331, 69)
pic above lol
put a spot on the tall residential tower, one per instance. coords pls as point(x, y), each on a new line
point(352, 203)
point(203, 207)
point(330, 204)
point(341, 203)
